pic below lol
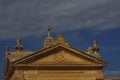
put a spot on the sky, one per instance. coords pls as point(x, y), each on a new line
point(80, 21)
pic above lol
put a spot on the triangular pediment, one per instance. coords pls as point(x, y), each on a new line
point(60, 55)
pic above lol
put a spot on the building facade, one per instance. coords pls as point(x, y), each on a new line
point(56, 60)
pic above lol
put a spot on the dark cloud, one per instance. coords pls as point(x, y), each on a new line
point(30, 17)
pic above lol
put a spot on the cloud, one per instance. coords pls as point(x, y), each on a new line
point(112, 73)
point(30, 17)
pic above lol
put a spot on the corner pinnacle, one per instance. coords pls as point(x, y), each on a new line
point(18, 44)
point(49, 30)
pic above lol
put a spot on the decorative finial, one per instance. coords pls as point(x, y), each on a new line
point(7, 51)
point(96, 49)
point(90, 50)
point(18, 45)
point(95, 46)
point(60, 40)
point(49, 40)
point(49, 30)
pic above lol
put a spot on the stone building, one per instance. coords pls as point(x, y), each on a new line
point(56, 60)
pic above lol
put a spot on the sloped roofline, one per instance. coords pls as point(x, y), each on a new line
point(44, 50)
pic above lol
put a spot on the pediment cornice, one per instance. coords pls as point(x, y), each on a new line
point(56, 48)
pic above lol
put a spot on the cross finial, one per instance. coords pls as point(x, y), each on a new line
point(95, 43)
point(49, 40)
point(95, 46)
point(48, 30)
point(96, 49)
point(18, 45)
point(18, 41)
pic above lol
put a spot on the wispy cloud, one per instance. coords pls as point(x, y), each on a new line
point(113, 48)
point(30, 17)
point(112, 73)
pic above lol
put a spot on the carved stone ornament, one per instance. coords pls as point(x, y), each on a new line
point(59, 58)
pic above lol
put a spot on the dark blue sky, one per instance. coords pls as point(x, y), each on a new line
point(80, 21)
